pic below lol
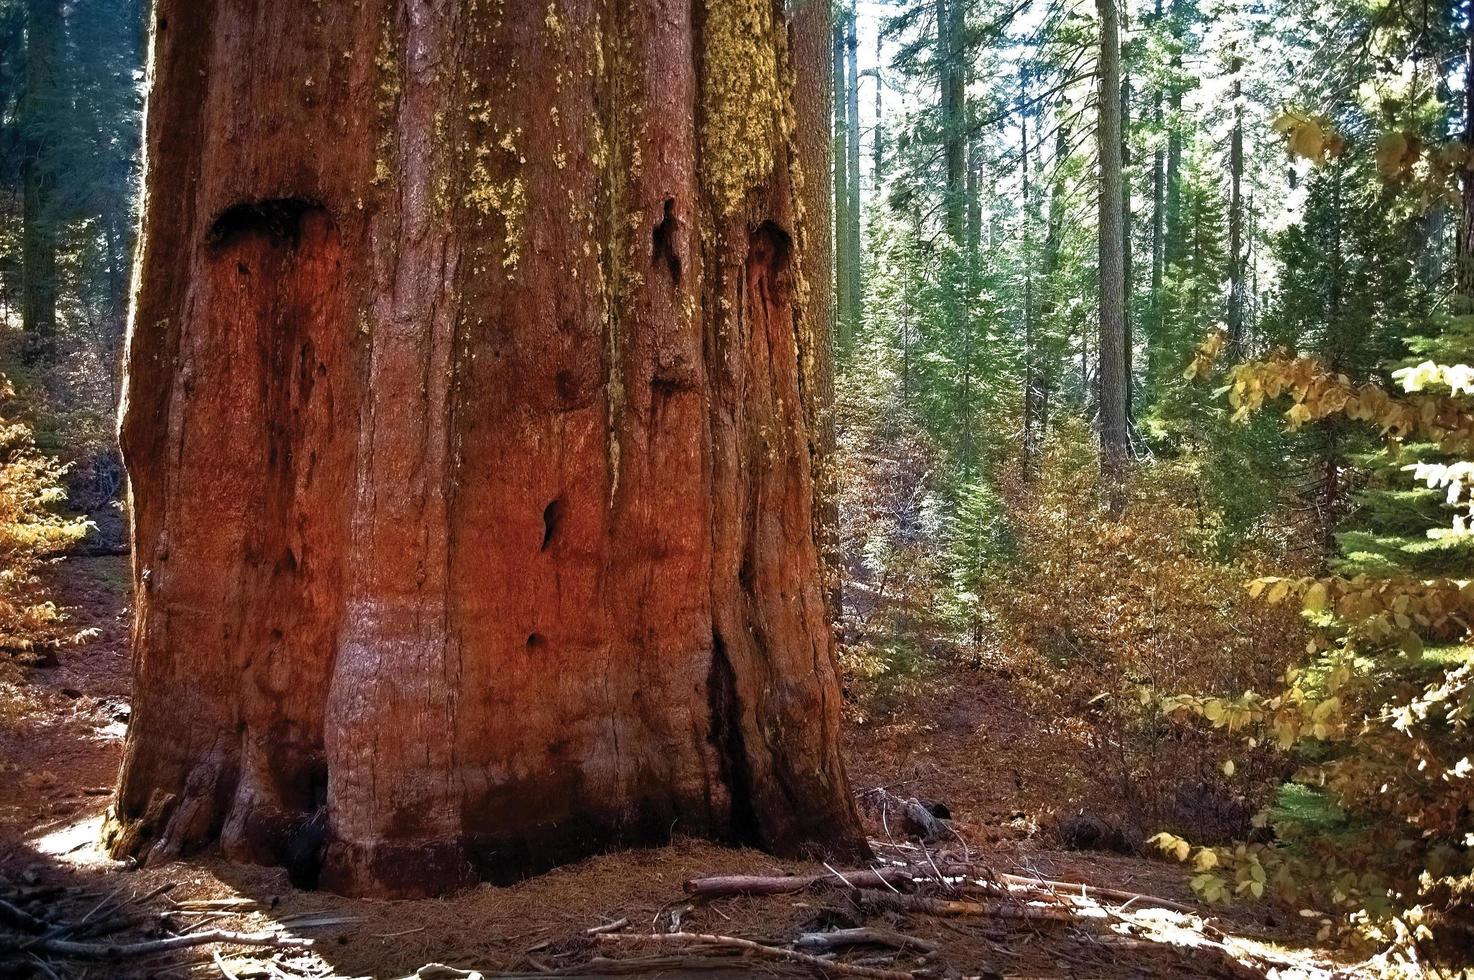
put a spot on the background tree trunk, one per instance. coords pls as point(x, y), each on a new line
point(1236, 215)
point(1153, 328)
point(468, 409)
point(813, 25)
point(1111, 353)
point(855, 282)
point(1463, 298)
point(844, 260)
point(1033, 434)
point(1127, 341)
point(877, 135)
point(951, 79)
point(39, 107)
point(1173, 246)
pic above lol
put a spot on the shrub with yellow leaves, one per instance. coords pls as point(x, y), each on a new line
point(1378, 823)
point(1402, 157)
point(1311, 137)
point(1116, 611)
point(31, 531)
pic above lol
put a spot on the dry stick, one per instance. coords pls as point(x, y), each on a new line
point(1086, 890)
point(845, 938)
point(115, 924)
point(942, 906)
point(116, 951)
point(758, 885)
point(770, 952)
point(719, 887)
point(220, 965)
point(694, 964)
point(20, 918)
point(614, 926)
point(40, 966)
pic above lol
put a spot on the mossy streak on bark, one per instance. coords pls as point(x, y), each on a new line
point(742, 99)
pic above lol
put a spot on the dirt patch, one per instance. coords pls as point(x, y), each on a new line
point(62, 739)
point(971, 740)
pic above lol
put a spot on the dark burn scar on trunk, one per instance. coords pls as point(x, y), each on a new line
point(725, 736)
point(278, 219)
point(665, 241)
point(768, 249)
point(552, 517)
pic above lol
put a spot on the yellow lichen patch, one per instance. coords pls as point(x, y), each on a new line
point(506, 197)
point(741, 99)
point(390, 81)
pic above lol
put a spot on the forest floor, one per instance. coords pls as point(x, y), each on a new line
point(966, 740)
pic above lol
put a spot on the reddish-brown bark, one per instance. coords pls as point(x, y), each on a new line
point(469, 420)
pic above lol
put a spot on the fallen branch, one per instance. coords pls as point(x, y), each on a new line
point(846, 938)
point(220, 965)
point(116, 951)
point(720, 887)
point(758, 949)
point(20, 918)
point(1088, 891)
point(944, 906)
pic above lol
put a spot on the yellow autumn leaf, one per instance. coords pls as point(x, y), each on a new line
point(1316, 597)
point(1285, 122)
point(1308, 140)
point(1392, 155)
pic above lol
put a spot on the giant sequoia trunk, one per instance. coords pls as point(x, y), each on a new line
point(470, 422)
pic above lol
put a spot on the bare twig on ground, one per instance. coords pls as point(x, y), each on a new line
point(220, 965)
point(1066, 888)
point(845, 938)
point(117, 951)
point(943, 906)
point(20, 918)
point(722, 886)
point(717, 887)
point(758, 949)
